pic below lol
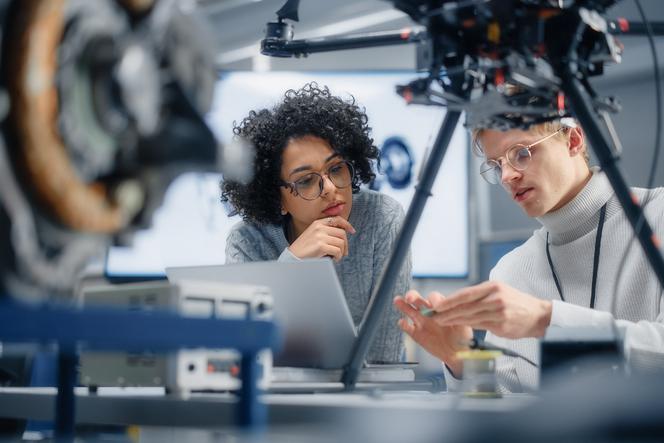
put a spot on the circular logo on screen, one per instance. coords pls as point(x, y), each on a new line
point(396, 160)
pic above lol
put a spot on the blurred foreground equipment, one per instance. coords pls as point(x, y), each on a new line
point(102, 103)
point(102, 106)
point(184, 370)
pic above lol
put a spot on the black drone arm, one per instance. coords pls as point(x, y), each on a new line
point(274, 45)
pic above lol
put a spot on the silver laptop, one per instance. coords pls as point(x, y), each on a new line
point(309, 307)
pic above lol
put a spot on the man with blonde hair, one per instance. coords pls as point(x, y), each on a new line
point(564, 275)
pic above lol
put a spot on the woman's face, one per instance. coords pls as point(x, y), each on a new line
point(303, 156)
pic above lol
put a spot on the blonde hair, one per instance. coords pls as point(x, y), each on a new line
point(541, 129)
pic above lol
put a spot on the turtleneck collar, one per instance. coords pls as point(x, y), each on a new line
point(582, 209)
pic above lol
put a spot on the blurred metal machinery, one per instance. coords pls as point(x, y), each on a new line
point(103, 105)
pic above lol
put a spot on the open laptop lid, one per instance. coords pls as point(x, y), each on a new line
point(309, 306)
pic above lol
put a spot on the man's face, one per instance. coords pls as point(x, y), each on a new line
point(555, 174)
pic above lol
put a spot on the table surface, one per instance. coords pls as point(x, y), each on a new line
point(152, 407)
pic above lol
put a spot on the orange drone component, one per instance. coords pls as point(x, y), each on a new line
point(41, 153)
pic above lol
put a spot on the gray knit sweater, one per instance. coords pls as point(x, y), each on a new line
point(377, 219)
point(572, 230)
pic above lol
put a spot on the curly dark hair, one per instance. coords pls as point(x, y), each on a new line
point(309, 111)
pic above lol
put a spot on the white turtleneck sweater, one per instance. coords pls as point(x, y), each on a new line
point(572, 231)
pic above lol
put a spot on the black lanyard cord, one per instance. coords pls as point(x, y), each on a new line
point(598, 245)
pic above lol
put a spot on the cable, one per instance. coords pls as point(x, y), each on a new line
point(483, 346)
point(653, 167)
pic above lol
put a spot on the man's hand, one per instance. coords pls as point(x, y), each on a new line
point(496, 307)
point(439, 340)
point(324, 237)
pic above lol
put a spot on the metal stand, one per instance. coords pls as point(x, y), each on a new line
point(65, 404)
point(116, 329)
point(252, 414)
point(583, 111)
point(382, 296)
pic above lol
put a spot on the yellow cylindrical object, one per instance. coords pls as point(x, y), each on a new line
point(479, 373)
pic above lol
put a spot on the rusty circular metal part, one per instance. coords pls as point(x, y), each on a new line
point(41, 154)
point(92, 119)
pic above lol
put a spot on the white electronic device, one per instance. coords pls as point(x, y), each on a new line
point(185, 370)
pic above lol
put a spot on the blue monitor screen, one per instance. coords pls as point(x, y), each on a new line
point(191, 226)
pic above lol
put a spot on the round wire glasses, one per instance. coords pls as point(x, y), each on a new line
point(310, 186)
point(517, 156)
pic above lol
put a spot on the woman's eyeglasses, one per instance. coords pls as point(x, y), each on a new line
point(310, 186)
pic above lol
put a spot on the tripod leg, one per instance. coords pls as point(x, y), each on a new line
point(382, 295)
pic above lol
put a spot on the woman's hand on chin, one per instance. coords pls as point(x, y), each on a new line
point(324, 237)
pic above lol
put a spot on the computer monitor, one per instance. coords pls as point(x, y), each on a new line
point(192, 225)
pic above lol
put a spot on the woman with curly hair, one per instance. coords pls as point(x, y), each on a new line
point(313, 150)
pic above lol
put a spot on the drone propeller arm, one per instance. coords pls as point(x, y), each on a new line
point(281, 47)
point(621, 26)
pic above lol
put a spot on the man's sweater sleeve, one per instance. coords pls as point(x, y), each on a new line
point(644, 340)
point(453, 384)
point(506, 367)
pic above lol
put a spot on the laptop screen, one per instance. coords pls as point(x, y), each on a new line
point(309, 306)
